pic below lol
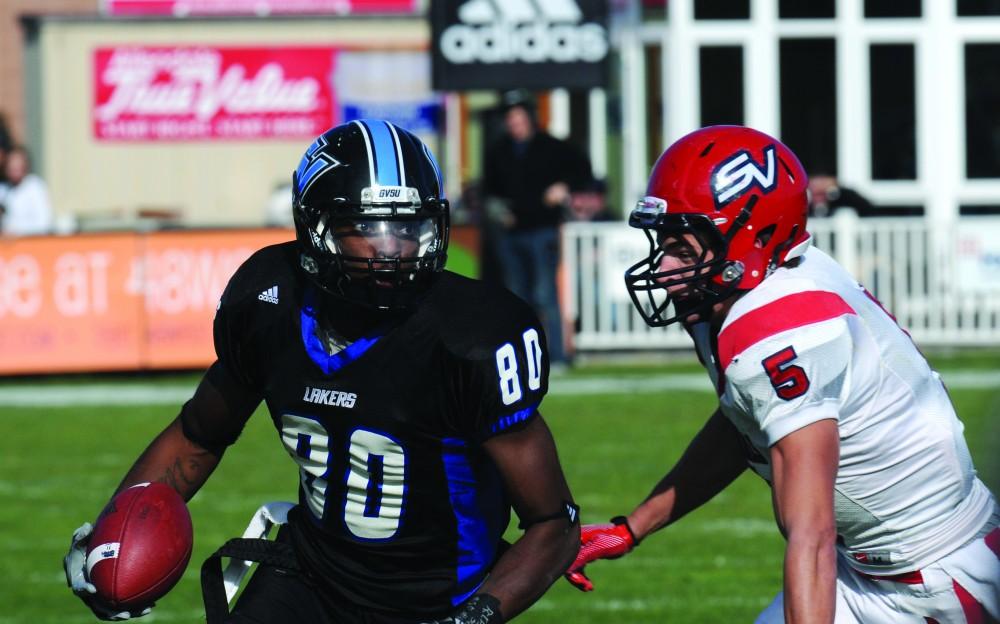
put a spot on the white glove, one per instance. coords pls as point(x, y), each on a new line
point(75, 566)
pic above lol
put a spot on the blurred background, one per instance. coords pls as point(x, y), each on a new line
point(146, 150)
point(155, 139)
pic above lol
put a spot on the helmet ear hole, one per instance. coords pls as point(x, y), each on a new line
point(764, 236)
point(790, 171)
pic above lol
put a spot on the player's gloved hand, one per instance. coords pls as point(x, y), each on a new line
point(75, 566)
point(480, 609)
point(600, 541)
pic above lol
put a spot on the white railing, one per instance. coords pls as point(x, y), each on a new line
point(942, 284)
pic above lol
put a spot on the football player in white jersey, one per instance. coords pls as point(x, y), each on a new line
point(820, 392)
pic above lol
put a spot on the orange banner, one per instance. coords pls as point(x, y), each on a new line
point(116, 301)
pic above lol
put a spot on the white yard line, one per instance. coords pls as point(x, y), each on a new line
point(126, 393)
point(46, 395)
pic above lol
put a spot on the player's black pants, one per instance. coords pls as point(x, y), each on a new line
point(279, 593)
point(276, 595)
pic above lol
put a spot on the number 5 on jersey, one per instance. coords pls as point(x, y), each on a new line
point(510, 380)
point(789, 381)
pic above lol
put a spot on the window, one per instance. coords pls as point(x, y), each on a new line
point(893, 113)
point(893, 8)
point(982, 110)
point(969, 8)
point(721, 75)
point(721, 9)
point(979, 209)
point(793, 9)
point(809, 101)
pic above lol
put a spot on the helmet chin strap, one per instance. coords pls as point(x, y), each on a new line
point(742, 218)
point(692, 307)
point(703, 305)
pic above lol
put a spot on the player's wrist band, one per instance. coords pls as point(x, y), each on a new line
point(622, 520)
point(570, 511)
point(480, 609)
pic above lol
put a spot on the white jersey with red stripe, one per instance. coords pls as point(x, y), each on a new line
point(809, 343)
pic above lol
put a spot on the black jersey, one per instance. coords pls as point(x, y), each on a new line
point(399, 508)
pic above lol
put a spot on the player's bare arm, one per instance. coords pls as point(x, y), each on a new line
point(804, 470)
point(710, 463)
point(530, 469)
point(181, 462)
point(173, 459)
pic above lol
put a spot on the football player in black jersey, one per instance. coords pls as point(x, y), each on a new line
point(407, 396)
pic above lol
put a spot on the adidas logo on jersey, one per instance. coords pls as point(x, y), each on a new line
point(335, 398)
point(270, 295)
point(508, 31)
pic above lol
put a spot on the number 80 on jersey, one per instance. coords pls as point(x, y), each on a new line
point(510, 382)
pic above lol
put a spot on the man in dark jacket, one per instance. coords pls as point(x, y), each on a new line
point(528, 177)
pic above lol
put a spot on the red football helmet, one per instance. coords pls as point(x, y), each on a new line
point(742, 195)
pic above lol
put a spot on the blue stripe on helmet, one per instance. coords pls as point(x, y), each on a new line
point(309, 166)
point(305, 176)
point(386, 166)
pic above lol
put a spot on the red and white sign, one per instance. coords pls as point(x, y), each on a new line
point(185, 8)
point(201, 92)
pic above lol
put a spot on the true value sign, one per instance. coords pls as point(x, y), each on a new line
point(534, 44)
point(189, 93)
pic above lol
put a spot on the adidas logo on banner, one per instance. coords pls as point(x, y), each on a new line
point(508, 31)
point(270, 295)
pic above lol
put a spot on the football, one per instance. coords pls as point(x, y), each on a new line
point(140, 546)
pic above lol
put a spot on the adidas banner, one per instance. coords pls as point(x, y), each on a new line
point(533, 44)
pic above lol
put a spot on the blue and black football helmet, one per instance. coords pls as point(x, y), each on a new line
point(370, 214)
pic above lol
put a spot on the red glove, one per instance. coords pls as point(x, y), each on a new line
point(600, 541)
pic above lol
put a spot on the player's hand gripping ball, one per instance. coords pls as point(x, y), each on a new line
point(140, 546)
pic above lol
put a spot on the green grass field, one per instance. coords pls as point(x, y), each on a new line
point(721, 564)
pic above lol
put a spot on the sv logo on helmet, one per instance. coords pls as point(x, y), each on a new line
point(739, 173)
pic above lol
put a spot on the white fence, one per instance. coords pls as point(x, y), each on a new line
point(942, 284)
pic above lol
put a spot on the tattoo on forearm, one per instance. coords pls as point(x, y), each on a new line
point(182, 475)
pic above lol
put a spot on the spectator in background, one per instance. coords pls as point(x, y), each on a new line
point(527, 182)
point(590, 203)
point(24, 197)
point(826, 195)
